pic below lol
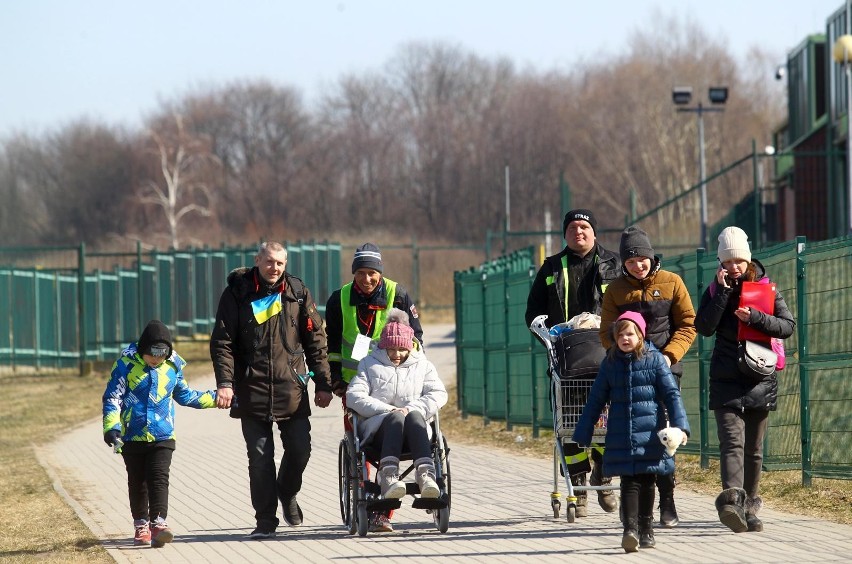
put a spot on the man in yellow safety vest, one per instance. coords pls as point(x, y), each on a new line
point(354, 317)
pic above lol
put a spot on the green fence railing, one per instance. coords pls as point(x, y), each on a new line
point(502, 369)
point(61, 306)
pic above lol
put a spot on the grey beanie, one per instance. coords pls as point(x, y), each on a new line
point(367, 255)
point(635, 243)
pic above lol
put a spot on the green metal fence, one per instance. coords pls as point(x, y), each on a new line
point(502, 369)
point(60, 306)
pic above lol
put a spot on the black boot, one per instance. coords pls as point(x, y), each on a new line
point(630, 538)
point(731, 507)
point(646, 532)
point(668, 512)
point(752, 506)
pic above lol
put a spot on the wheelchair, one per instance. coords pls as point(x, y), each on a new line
point(360, 496)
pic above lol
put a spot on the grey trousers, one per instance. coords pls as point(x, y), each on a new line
point(741, 447)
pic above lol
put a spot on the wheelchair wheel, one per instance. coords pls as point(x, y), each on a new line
point(442, 516)
point(447, 481)
point(442, 519)
point(363, 520)
point(347, 493)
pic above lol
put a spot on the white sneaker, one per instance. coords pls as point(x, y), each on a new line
point(426, 481)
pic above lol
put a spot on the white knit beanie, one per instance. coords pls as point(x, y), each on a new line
point(733, 244)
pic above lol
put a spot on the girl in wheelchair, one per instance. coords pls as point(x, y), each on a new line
point(396, 392)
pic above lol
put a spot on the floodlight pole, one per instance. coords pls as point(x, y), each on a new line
point(703, 168)
point(848, 69)
point(700, 109)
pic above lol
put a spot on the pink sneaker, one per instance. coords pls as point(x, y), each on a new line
point(160, 533)
point(143, 532)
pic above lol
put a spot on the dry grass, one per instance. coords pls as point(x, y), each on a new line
point(35, 523)
point(830, 500)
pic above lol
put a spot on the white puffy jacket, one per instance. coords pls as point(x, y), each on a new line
point(379, 387)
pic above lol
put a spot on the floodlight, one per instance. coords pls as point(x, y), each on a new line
point(718, 94)
point(681, 95)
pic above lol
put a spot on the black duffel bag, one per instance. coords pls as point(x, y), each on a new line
point(578, 353)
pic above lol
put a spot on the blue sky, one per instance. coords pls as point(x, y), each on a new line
point(112, 60)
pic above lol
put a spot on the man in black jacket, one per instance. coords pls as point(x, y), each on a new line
point(571, 282)
point(267, 343)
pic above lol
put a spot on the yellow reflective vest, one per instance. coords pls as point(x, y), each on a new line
point(349, 366)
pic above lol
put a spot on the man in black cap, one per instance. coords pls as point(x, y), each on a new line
point(354, 317)
point(569, 283)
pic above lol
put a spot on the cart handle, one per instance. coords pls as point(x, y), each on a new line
point(540, 329)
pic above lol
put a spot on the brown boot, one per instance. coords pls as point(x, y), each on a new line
point(582, 499)
point(606, 498)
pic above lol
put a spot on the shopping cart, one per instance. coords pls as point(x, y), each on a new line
point(574, 359)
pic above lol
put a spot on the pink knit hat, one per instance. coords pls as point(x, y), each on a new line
point(397, 333)
point(635, 317)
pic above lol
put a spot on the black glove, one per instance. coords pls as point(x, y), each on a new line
point(111, 436)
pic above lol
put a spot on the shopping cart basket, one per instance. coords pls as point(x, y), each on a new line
point(574, 359)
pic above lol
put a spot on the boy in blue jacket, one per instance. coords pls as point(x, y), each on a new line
point(633, 378)
point(139, 422)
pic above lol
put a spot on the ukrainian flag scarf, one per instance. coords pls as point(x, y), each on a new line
point(266, 307)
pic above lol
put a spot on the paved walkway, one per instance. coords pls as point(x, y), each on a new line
point(500, 506)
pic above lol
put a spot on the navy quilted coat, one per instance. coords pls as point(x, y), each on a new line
point(633, 387)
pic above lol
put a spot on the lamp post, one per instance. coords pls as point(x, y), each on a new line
point(681, 96)
point(842, 53)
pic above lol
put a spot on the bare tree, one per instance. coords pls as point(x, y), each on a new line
point(264, 141)
point(180, 158)
point(68, 185)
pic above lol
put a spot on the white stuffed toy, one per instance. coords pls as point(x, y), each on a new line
point(672, 437)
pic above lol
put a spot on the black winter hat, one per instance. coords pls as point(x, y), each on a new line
point(635, 243)
point(155, 340)
point(367, 255)
point(582, 215)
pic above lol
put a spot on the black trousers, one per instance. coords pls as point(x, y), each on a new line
point(267, 488)
point(147, 467)
point(583, 465)
point(637, 497)
point(400, 432)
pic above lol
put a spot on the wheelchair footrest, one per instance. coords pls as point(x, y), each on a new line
point(383, 504)
point(430, 503)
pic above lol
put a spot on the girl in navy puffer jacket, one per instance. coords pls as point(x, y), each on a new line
point(633, 379)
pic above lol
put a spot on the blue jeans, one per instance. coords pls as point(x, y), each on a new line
point(266, 488)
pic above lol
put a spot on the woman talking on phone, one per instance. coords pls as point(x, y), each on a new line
point(741, 404)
